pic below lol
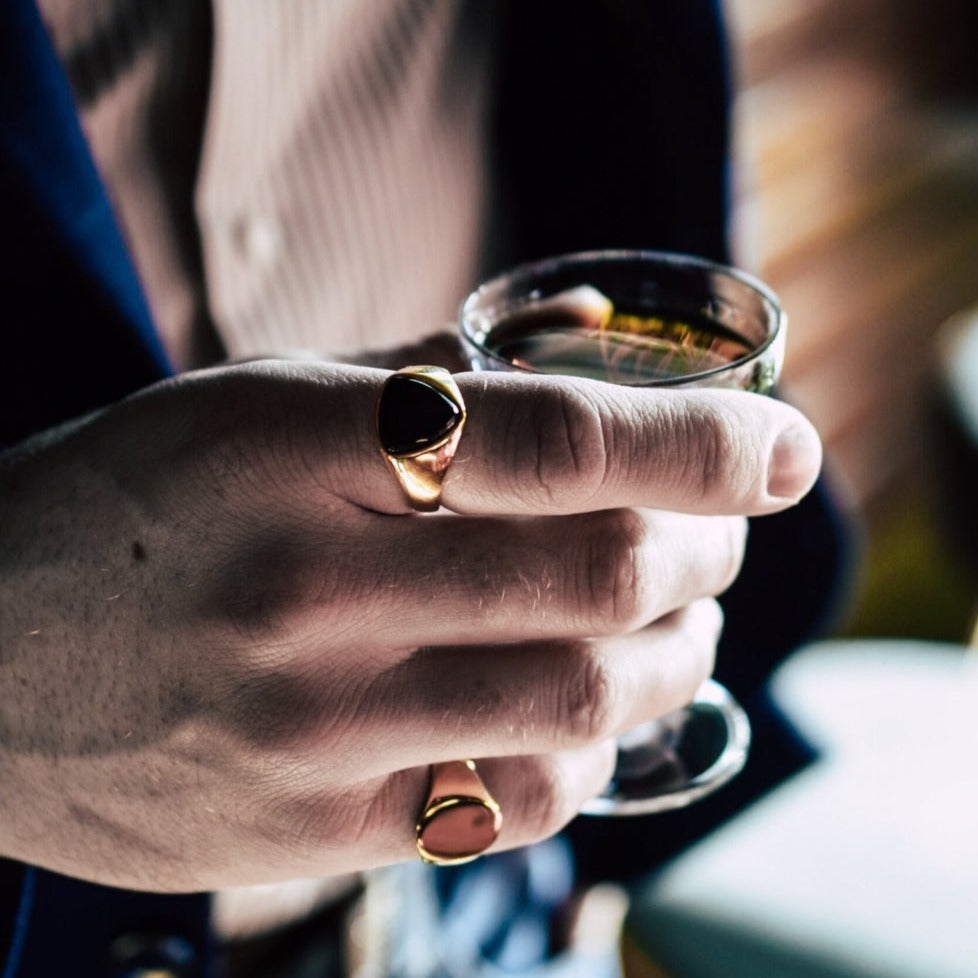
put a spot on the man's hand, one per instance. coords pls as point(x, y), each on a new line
point(229, 651)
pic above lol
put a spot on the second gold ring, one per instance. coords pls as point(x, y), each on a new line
point(460, 819)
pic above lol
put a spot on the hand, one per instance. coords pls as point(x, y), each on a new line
point(229, 652)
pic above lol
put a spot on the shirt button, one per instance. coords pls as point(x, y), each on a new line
point(152, 956)
point(257, 240)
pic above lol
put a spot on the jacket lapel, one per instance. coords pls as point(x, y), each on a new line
point(76, 330)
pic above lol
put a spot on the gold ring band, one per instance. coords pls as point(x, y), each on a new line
point(420, 416)
point(460, 819)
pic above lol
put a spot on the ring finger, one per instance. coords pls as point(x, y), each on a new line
point(530, 698)
point(536, 794)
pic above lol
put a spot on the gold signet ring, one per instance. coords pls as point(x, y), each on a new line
point(460, 819)
point(420, 416)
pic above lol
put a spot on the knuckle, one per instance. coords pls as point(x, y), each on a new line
point(284, 715)
point(712, 451)
point(270, 590)
point(256, 603)
point(305, 823)
point(273, 711)
point(614, 577)
point(570, 440)
point(589, 702)
point(549, 802)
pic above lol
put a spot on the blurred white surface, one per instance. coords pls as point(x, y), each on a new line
point(866, 864)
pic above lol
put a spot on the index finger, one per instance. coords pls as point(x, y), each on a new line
point(535, 444)
point(550, 445)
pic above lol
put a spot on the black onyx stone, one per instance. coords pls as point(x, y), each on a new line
point(413, 415)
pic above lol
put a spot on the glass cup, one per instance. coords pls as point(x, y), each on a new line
point(646, 319)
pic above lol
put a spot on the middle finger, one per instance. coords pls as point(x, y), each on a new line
point(501, 580)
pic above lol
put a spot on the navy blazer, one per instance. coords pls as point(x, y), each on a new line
point(611, 130)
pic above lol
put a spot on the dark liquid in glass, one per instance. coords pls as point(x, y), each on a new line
point(628, 348)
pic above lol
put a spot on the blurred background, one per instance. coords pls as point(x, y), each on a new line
point(857, 200)
point(856, 194)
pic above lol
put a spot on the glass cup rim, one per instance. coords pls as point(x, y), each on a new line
point(677, 259)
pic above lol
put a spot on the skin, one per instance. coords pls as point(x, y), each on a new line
point(229, 650)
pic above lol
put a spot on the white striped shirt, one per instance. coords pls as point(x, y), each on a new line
point(339, 196)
